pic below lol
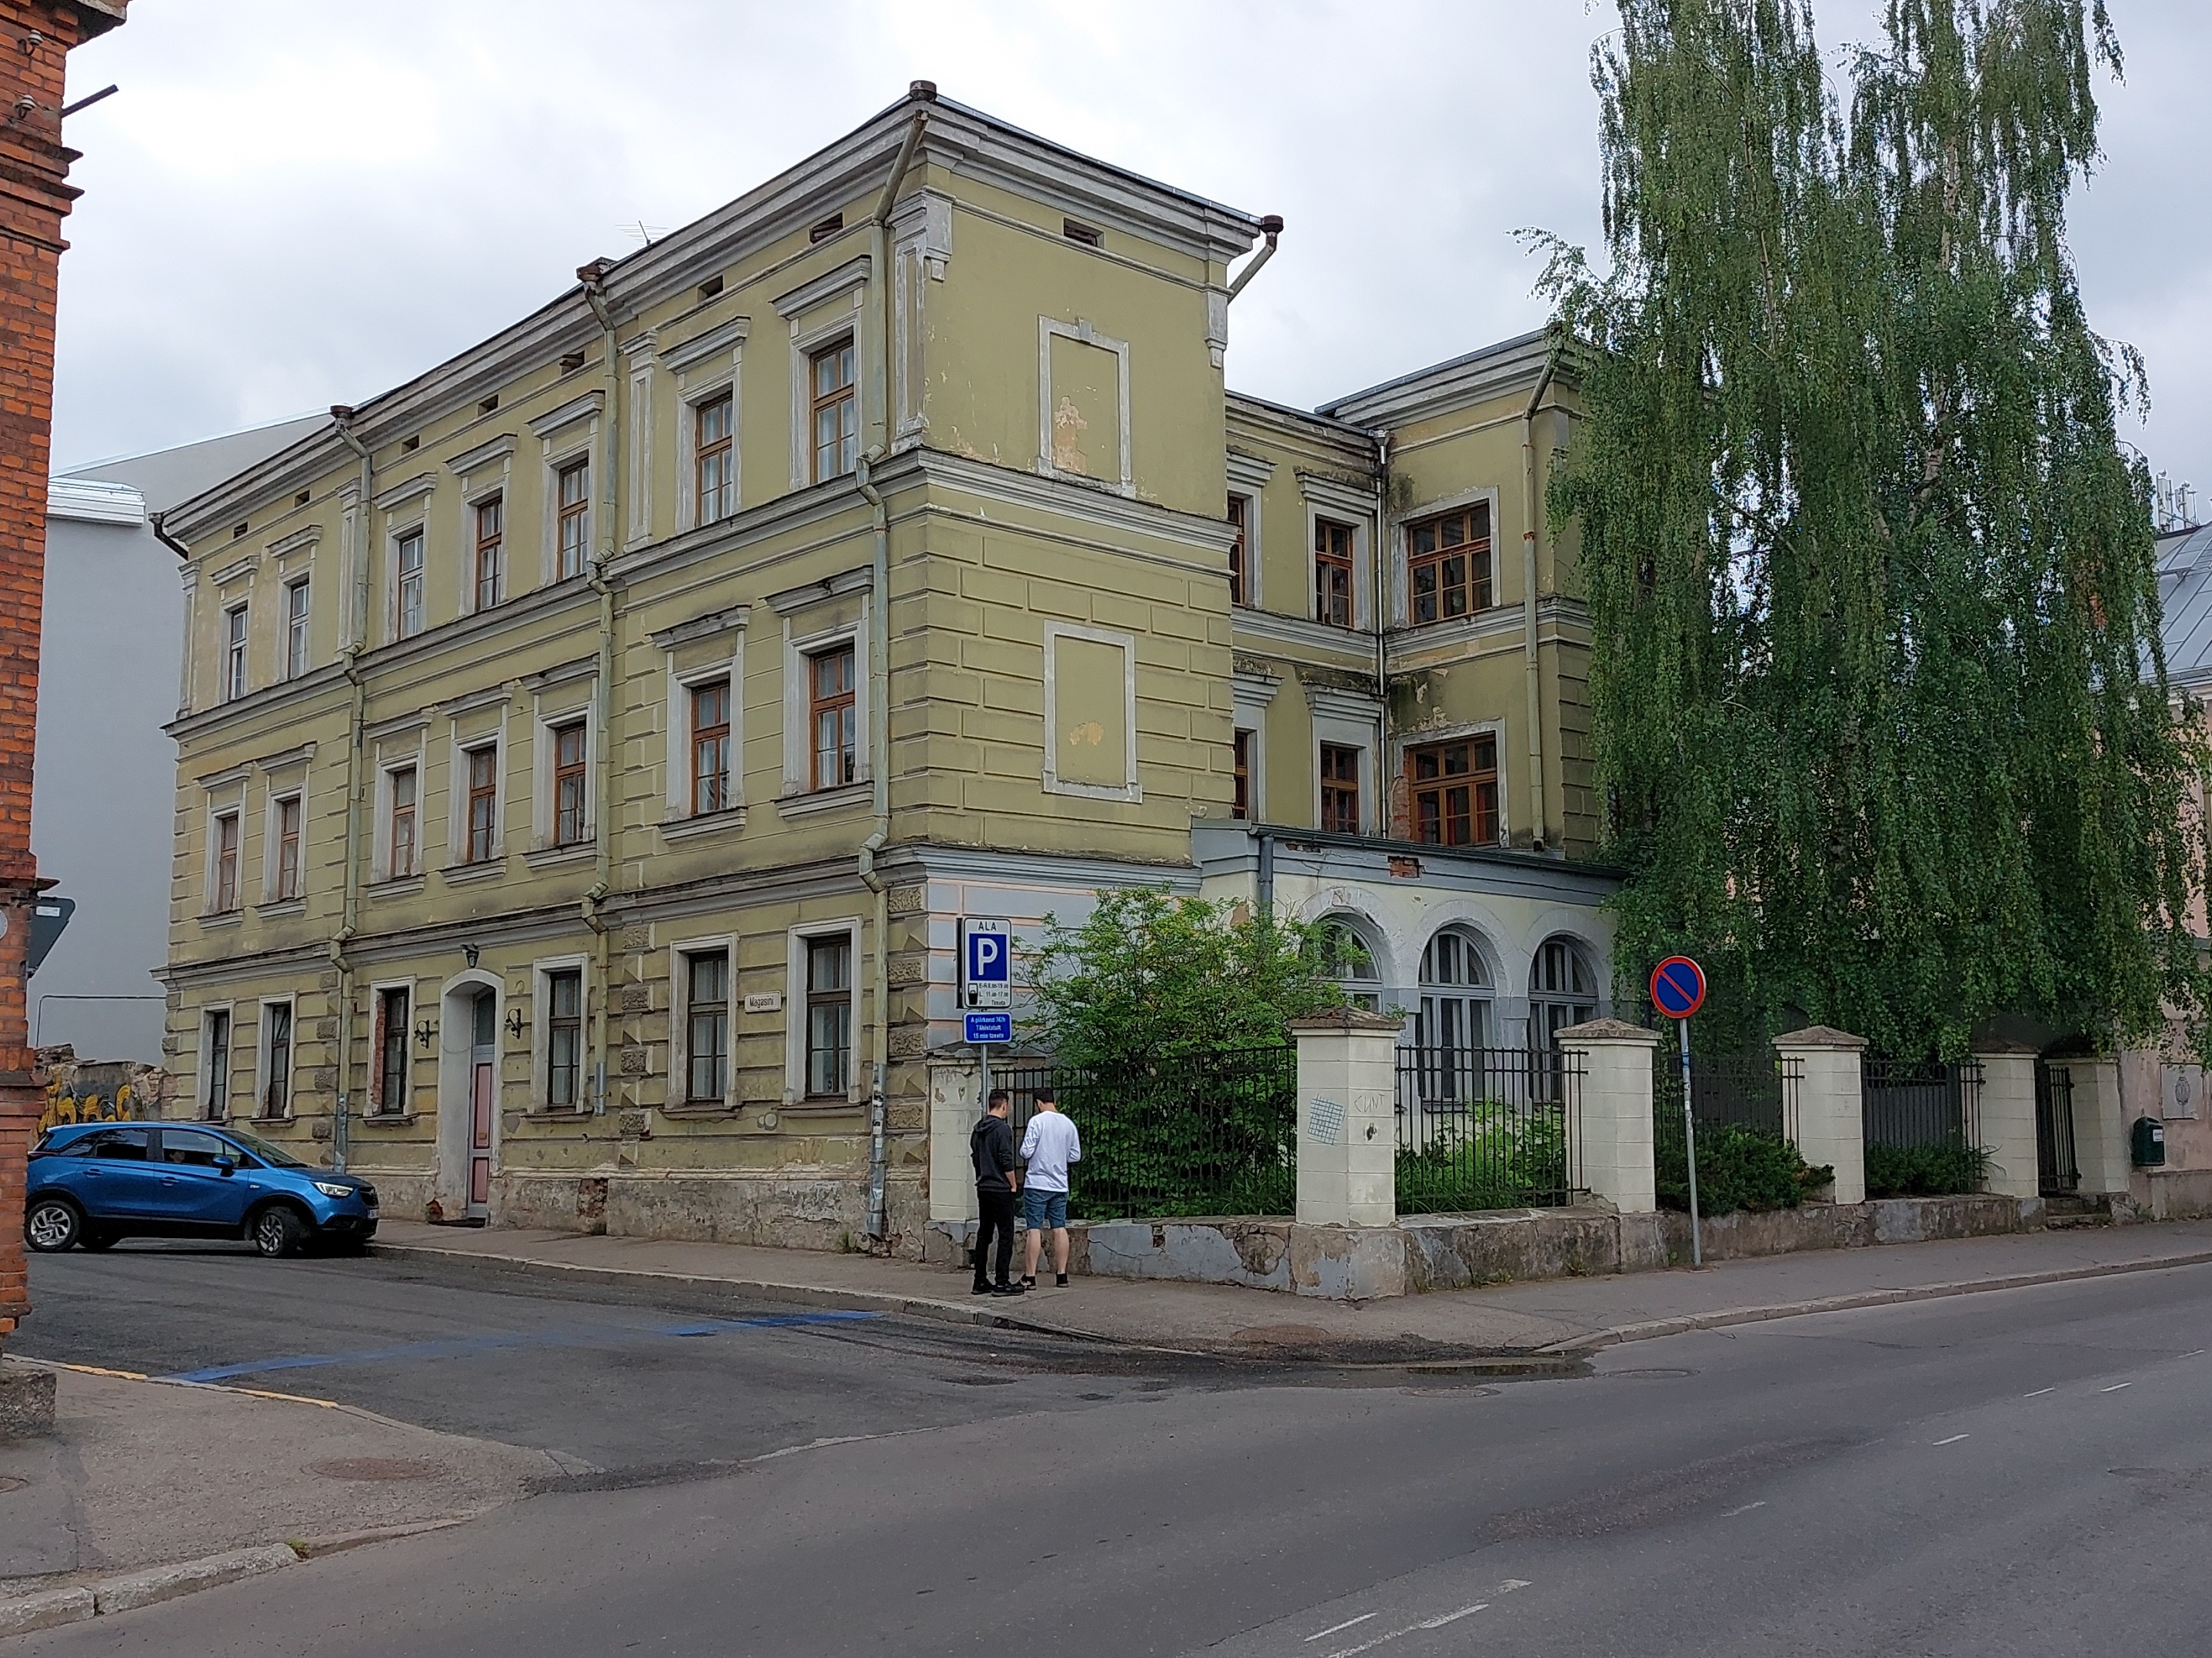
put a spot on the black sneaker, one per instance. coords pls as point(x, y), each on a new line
point(1010, 1289)
point(1061, 1281)
point(1027, 1283)
point(981, 1287)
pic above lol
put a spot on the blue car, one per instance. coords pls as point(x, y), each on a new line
point(94, 1183)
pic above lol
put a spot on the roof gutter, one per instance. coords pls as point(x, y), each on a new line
point(1272, 228)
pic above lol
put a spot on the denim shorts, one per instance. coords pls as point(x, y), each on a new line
point(1043, 1212)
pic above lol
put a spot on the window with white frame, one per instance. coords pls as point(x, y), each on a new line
point(479, 770)
point(828, 1009)
point(285, 826)
point(387, 1082)
point(825, 706)
point(488, 565)
point(407, 556)
point(714, 456)
point(1348, 961)
point(225, 835)
point(703, 1021)
point(276, 1056)
point(295, 628)
point(561, 992)
point(833, 409)
point(708, 705)
point(571, 799)
point(1455, 997)
point(571, 508)
point(234, 620)
point(402, 822)
point(832, 717)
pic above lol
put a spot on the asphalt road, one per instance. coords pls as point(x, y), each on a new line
point(2022, 1473)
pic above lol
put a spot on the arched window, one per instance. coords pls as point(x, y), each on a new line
point(1347, 959)
point(1456, 991)
point(1562, 990)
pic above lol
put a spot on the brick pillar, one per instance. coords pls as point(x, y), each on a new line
point(35, 36)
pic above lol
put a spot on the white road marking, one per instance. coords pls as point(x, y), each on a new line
point(1952, 1440)
point(2116, 1387)
point(2194, 1352)
point(1505, 1587)
point(1746, 1509)
point(1336, 1628)
point(2039, 1393)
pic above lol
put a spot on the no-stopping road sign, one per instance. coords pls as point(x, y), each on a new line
point(1678, 986)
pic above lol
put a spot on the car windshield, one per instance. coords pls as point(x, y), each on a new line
point(275, 1155)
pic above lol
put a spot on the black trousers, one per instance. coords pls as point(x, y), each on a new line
point(997, 1211)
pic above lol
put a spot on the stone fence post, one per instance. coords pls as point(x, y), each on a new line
point(1615, 1118)
point(1830, 1124)
point(2007, 1118)
point(953, 1108)
point(1347, 1118)
point(2101, 1126)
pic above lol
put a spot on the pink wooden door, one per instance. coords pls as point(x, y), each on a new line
point(480, 1138)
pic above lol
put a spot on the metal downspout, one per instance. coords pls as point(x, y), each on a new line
point(879, 672)
point(1381, 614)
point(593, 277)
point(1529, 545)
point(1272, 229)
point(356, 748)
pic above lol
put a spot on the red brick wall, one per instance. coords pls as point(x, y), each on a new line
point(35, 36)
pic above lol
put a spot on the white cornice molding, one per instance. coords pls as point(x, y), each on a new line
point(90, 501)
point(582, 667)
point(715, 342)
point(1480, 376)
point(585, 407)
point(1303, 636)
point(399, 495)
point(1325, 491)
point(1330, 703)
point(495, 696)
point(298, 541)
point(731, 620)
point(483, 454)
point(822, 288)
point(237, 567)
point(1087, 502)
point(1249, 471)
point(817, 592)
point(298, 756)
point(1255, 689)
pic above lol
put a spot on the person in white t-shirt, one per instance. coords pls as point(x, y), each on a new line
point(1048, 1148)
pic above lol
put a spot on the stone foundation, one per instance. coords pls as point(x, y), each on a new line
point(27, 1402)
point(2172, 1193)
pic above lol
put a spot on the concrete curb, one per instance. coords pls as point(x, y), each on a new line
point(1383, 1353)
point(127, 1591)
point(1653, 1329)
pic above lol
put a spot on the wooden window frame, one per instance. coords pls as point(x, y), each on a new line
point(274, 1100)
point(835, 1000)
point(568, 1023)
point(710, 748)
point(718, 455)
point(389, 1050)
point(403, 823)
point(216, 1031)
point(841, 400)
point(290, 809)
point(571, 783)
point(410, 618)
point(487, 570)
point(230, 839)
point(572, 533)
point(480, 826)
point(1240, 514)
point(708, 1015)
point(1339, 792)
point(842, 705)
point(1240, 801)
point(1333, 570)
point(1436, 820)
point(1475, 591)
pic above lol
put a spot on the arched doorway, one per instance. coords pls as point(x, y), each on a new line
point(1562, 990)
point(468, 1095)
point(484, 1065)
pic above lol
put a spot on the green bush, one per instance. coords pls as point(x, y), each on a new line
point(1738, 1168)
point(1492, 1159)
point(1925, 1171)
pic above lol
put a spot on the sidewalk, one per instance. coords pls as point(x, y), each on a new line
point(1521, 1323)
point(140, 1475)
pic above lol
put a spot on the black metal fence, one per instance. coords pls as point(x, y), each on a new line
point(1756, 1090)
point(2057, 1169)
point(1910, 1105)
point(1488, 1129)
point(1215, 1135)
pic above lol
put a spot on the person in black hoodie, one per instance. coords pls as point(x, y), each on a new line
point(998, 1174)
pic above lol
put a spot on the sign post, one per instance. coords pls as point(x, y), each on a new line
point(986, 981)
point(1678, 990)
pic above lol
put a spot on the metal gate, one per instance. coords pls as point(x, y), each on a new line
point(2055, 1170)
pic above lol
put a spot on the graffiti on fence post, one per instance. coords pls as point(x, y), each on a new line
point(110, 1090)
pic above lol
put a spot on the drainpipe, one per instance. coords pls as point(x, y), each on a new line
point(593, 277)
point(1381, 614)
point(1528, 532)
point(356, 776)
point(1272, 228)
point(879, 673)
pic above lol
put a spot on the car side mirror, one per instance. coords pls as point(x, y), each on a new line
point(228, 1165)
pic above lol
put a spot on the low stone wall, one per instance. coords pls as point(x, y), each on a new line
point(770, 1210)
point(2172, 1193)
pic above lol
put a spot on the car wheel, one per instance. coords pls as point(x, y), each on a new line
point(52, 1224)
point(278, 1231)
point(89, 1239)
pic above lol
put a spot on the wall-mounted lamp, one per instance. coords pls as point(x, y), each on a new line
point(469, 954)
point(426, 1033)
point(514, 1023)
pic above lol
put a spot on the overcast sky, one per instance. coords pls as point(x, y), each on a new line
point(297, 203)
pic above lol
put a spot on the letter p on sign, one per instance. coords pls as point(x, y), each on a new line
point(987, 960)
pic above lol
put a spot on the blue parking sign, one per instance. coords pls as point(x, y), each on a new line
point(987, 963)
point(987, 1027)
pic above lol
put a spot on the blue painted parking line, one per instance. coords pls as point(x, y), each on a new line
point(571, 1335)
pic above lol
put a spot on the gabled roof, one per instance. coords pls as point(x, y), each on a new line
point(2184, 591)
point(1459, 380)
